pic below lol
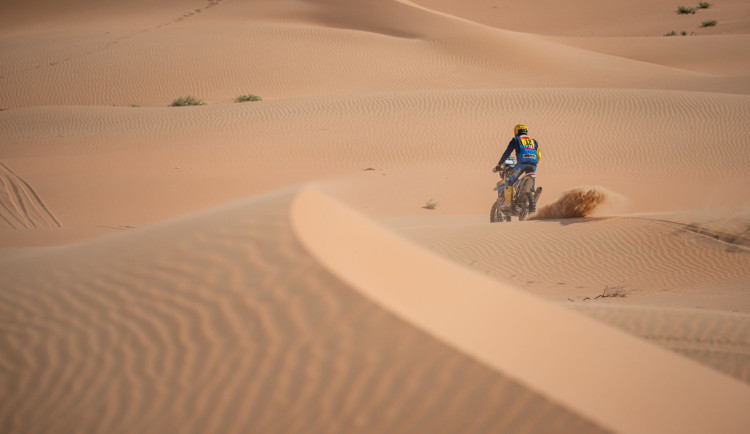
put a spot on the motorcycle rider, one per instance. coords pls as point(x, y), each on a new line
point(527, 153)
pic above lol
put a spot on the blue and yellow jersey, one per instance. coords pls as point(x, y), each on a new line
point(527, 150)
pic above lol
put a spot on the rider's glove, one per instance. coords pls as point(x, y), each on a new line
point(497, 169)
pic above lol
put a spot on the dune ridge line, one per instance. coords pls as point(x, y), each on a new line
point(519, 334)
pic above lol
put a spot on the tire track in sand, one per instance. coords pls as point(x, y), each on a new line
point(20, 205)
point(54, 62)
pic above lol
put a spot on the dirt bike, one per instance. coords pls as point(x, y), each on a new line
point(517, 199)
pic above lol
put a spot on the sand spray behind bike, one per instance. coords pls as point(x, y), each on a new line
point(578, 202)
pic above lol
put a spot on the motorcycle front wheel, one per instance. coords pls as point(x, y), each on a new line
point(495, 214)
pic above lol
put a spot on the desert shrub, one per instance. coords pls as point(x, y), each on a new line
point(187, 100)
point(685, 10)
point(430, 204)
point(613, 291)
point(249, 97)
point(673, 33)
point(704, 5)
point(709, 23)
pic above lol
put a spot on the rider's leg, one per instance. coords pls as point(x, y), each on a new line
point(515, 174)
point(519, 169)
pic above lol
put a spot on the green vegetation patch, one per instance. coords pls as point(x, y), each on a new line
point(673, 33)
point(249, 97)
point(187, 100)
point(685, 10)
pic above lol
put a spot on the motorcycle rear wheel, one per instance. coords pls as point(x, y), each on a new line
point(526, 199)
point(525, 206)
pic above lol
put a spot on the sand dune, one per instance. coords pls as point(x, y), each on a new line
point(230, 325)
point(728, 227)
point(580, 18)
point(661, 268)
point(545, 347)
point(151, 283)
point(316, 50)
point(719, 55)
point(658, 262)
point(715, 338)
point(222, 322)
point(202, 156)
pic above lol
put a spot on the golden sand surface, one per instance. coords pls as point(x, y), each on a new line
point(273, 266)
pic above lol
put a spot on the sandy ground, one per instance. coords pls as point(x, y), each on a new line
point(270, 266)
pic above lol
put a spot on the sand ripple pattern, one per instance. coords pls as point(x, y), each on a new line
point(717, 339)
point(646, 256)
point(20, 206)
point(574, 260)
point(221, 322)
point(451, 128)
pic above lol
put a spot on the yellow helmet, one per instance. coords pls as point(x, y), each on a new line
point(520, 129)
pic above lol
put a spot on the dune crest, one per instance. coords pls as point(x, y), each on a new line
point(574, 203)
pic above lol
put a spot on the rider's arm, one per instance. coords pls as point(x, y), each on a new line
point(538, 155)
point(507, 152)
